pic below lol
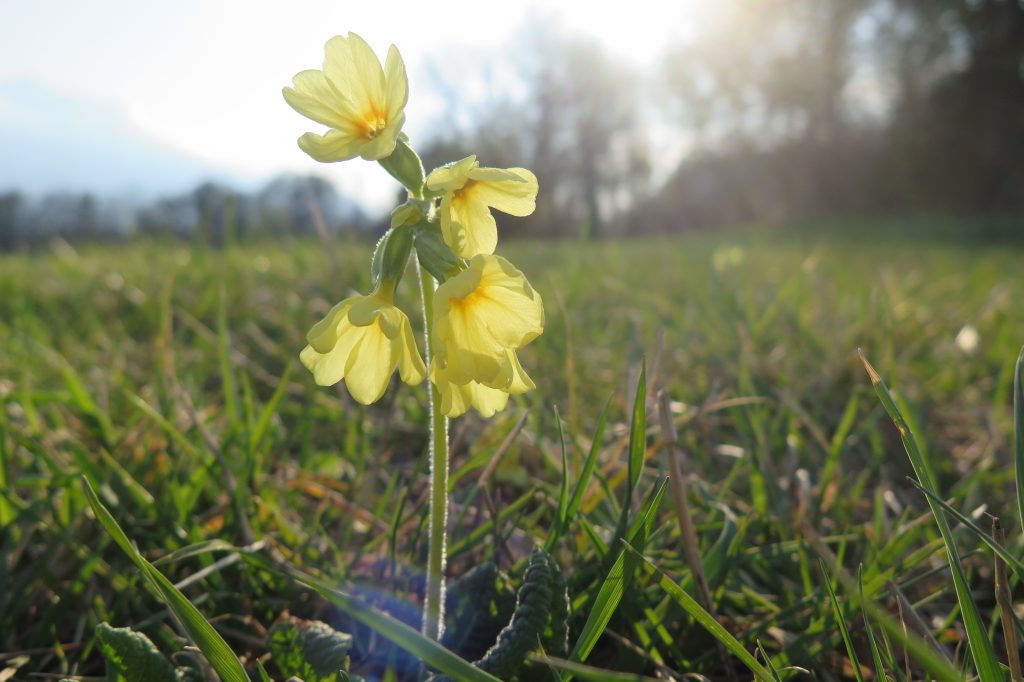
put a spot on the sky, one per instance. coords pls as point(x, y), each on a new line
point(205, 77)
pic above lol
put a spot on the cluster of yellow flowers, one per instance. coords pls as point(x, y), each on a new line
point(483, 309)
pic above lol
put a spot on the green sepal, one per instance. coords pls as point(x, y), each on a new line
point(391, 257)
point(405, 165)
point(412, 213)
point(434, 255)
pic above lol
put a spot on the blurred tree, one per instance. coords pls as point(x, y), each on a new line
point(221, 218)
point(578, 127)
point(11, 204)
point(957, 131)
point(303, 205)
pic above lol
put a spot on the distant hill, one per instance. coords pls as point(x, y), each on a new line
point(52, 142)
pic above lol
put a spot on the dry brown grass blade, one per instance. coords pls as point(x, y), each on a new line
point(912, 620)
point(502, 450)
point(691, 546)
point(1005, 602)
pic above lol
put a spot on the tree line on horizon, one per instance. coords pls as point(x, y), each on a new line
point(213, 214)
point(786, 110)
point(776, 111)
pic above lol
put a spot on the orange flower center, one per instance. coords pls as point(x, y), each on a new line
point(372, 122)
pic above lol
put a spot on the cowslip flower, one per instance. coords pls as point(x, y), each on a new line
point(360, 102)
point(469, 192)
point(480, 315)
point(362, 340)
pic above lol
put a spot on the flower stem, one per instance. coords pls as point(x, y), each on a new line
point(433, 618)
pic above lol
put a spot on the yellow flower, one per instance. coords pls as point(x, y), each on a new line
point(362, 340)
point(480, 315)
point(456, 398)
point(361, 103)
point(469, 193)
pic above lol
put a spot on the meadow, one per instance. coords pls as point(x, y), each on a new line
point(167, 374)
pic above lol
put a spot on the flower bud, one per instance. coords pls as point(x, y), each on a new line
point(411, 213)
point(405, 166)
point(435, 256)
point(390, 258)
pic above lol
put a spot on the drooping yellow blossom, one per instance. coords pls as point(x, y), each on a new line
point(469, 193)
point(362, 340)
point(361, 102)
point(480, 316)
point(456, 399)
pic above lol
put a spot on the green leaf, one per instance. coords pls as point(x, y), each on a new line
point(213, 646)
point(613, 587)
point(132, 657)
point(310, 650)
point(981, 648)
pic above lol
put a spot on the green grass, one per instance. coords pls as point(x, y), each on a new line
point(168, 376)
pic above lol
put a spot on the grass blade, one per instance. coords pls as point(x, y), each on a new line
point(587, 672)
point(1018, 430)
point(576, 501)
point(690, 605)
point(209, 641)
point(1004, 600)
point(612, 589)
point(841, 622)
point(876, 655)
point(980, 645)
point(227, 371)
point(424, 648)
point(260, 430)
point(1001, 551)
point(637, 435)
point(563, 494)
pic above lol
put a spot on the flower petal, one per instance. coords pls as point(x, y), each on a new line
point(454, 402)
point(369, 366)
point(353, 68)
point(514, 379)
point(457, 398)
point(481, 313)
point(396, 83)
point(452, 176)
point(336, 145)
point(507, 305)
point(384, 143)
point(516, 196)
point(466, 349)
point(485, 400)
point(324, 333)
point(315, 98)
point(326, 371)
point(410, 364)
point(467, 225)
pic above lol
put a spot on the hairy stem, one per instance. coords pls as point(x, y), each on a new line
point(433, 618)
